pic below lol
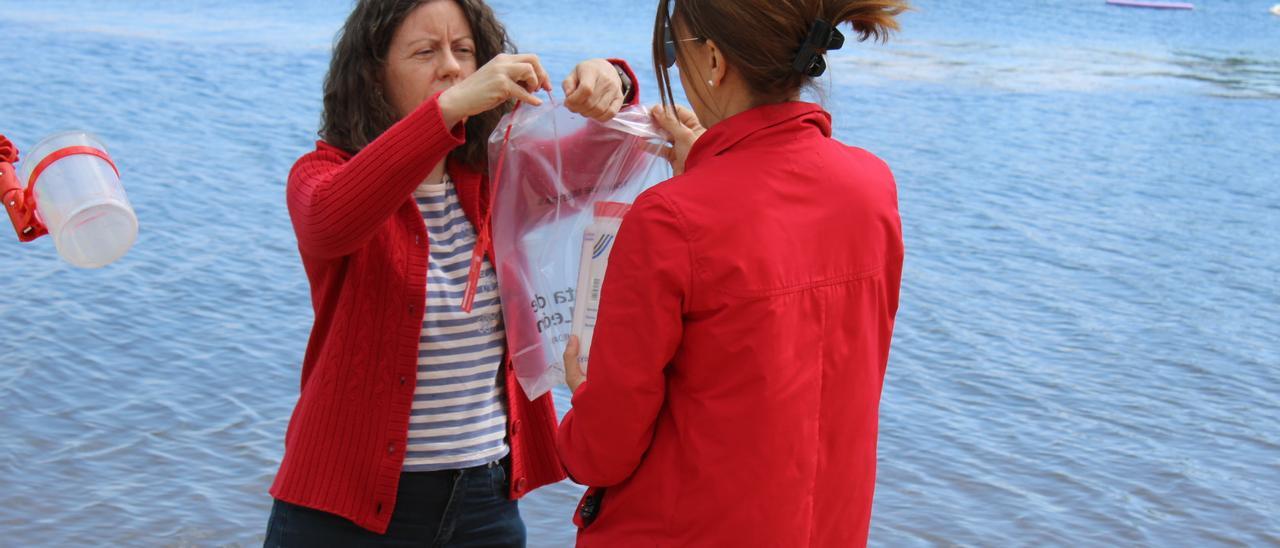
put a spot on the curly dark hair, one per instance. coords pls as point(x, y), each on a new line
point(355, 110)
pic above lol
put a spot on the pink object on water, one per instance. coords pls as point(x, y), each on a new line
point(1152, 5)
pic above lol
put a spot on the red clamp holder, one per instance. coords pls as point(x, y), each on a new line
point(20, 203)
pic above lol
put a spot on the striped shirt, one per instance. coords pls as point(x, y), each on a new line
point(459, 417)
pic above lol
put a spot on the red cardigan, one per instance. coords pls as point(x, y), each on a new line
point(362, 241)
point(733, 392)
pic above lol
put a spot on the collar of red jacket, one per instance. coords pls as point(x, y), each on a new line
point(461, 173)
point(790, 116)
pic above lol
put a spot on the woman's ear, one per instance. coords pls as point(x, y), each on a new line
point(718, 66)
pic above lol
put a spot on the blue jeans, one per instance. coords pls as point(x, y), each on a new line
point(452, 508)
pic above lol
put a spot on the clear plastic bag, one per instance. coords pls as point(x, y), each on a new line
point(549, 168)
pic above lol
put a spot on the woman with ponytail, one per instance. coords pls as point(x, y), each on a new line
point(747, 312)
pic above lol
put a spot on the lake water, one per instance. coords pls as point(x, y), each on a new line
point(1088, 351)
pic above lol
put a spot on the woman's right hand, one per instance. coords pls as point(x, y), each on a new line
point(573, 375)
point(502, 79)
point(684, 128)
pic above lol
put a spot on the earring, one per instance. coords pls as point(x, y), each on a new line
point(711, 83)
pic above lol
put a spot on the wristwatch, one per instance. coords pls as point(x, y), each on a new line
point(627, 84)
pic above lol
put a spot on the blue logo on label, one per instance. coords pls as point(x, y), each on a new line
point(602, 245)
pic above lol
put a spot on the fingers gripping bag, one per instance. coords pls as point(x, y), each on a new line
point(560, 185)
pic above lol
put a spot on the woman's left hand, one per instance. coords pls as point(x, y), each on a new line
point(573, 375)
point(685, 129)
point(594, 90)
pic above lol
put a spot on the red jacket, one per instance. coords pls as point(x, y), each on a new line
point(734, 385)
point(362, 241)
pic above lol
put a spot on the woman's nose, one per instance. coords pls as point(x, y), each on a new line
point(449, 65)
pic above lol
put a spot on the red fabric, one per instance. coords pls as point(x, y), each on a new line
point(734, 386)
point(361, 238)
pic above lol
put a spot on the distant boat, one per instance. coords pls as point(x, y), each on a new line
point(1152, 4)
point(1275, 10)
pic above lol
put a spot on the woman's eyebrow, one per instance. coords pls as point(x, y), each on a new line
point(433, 40)
point(428, 40)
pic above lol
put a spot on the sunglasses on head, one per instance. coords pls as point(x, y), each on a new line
point(669, 42)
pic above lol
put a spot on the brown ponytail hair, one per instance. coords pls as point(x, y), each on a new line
point(761, 38)
point(355, 110)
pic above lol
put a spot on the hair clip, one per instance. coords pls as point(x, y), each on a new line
point(823, 37)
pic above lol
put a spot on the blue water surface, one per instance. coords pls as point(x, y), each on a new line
point(1089, 341)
